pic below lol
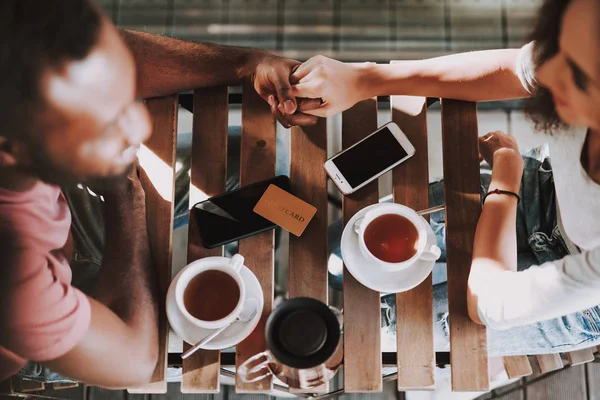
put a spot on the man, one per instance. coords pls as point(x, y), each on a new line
point(68, 88)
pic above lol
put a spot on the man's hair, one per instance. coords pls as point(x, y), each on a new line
point(540, 108)
point(37, 35)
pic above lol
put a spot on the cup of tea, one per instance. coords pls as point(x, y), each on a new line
point(394, 237)
point(211, 296)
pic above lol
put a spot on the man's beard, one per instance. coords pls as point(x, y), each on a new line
point(47, 171)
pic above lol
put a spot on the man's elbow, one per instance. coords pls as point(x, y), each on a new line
point(145, 366)
point(140, 368)
point(139, 373)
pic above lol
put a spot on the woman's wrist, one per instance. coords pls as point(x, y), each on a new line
point(507, 172)
point(368, 80)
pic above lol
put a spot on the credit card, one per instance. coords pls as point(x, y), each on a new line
point(285, 209)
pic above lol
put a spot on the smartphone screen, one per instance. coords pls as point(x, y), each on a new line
point(230, 216)
point(369, 158)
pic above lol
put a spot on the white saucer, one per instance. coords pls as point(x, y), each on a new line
point(373, 277)
point(231, 336)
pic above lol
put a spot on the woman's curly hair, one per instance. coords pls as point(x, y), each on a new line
point(540, 108)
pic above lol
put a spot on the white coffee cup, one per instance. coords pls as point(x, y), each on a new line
point(196, 268)
point(424, 251)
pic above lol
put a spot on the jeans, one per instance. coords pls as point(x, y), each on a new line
point(538, 240)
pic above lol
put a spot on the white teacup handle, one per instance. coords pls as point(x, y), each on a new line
point(237, 261)
point(431, 253)
point(357, 225)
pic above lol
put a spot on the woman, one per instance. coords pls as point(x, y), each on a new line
point(552, 305)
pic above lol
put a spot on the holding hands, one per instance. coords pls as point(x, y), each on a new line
point(339, 85)
point(299, 93)
point(272, 79)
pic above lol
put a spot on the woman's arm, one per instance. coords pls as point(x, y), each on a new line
point(499, 296)
point(475, 76)
point(495, 246)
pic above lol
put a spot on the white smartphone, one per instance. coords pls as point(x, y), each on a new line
point(370, 158)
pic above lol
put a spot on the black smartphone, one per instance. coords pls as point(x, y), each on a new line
point(229, 217)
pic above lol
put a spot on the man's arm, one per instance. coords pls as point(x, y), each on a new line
point(168, 65)
point(120, 348)
point(476, 76)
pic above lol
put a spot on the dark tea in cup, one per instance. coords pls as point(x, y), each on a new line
point(211, 295)
point(391, 238)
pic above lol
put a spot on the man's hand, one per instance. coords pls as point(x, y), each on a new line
point(337, 84)
point(122, 189)
point(271, 80)
point(129, 184)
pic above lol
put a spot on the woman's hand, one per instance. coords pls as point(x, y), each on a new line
point(339, 85)
point(502, 153)
point(498, 144)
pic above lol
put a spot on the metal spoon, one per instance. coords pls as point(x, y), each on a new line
point(246, 315)
point(421, 213)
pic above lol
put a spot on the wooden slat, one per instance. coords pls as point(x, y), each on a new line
point(580, 356)
point(308, 253)
point(468, 341)
point(517, 366)
point(414, 309)
point(257, 164)
point(362, 318)
point(207, 179)
point(64, 386)
point(549, 362)
point(160, 192)
point(27, 386)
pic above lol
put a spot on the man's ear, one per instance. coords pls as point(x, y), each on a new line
point(13, 153)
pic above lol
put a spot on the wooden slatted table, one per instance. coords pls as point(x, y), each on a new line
point(308, 254)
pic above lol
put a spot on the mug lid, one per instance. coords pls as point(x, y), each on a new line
point(302, 333)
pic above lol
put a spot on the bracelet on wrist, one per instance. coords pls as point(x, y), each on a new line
point(500, 191)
